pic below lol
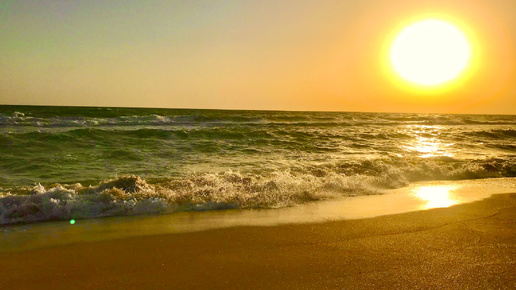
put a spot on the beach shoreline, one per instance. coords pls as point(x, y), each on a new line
point(414, 197)
point(469, 245)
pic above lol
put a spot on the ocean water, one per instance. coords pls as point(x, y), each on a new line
point(77, 162)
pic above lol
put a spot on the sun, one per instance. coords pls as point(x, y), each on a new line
point(430, 52)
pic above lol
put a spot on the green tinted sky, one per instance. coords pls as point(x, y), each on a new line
point(288, 55)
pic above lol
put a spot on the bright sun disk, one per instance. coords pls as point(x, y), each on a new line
point(430, 52)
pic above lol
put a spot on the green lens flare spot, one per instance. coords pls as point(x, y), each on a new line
point(72, 222)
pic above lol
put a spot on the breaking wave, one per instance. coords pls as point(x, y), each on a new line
point(133, 195)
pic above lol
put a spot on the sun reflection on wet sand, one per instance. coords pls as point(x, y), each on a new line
point(436, 196)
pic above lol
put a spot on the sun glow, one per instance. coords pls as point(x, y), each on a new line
point(430, 53)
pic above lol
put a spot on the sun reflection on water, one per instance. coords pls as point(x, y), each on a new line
point(426, 143)
point(436, 196)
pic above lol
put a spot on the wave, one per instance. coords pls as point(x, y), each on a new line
point(88, 117)
point(76, 135)
point(278, 134)
point(495, 133)
point(20, 119)
point(133, 195)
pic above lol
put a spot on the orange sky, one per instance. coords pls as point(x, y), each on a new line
point(272, 55)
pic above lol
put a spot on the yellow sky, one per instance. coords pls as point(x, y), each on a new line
point(286, 55)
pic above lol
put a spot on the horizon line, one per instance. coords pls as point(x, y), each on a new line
point(256, 110)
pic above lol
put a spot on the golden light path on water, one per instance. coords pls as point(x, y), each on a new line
point(426, 143)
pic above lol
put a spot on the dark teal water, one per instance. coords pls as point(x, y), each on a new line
point(130, 161)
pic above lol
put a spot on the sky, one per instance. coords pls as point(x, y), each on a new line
point(255, 55)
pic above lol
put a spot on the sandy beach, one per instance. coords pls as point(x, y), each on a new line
point(465, 246)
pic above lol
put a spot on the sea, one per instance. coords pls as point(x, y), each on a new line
point(72, 163)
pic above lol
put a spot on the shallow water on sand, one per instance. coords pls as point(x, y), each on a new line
point(417, 196)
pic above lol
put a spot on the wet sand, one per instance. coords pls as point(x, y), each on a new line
point(465, 246)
